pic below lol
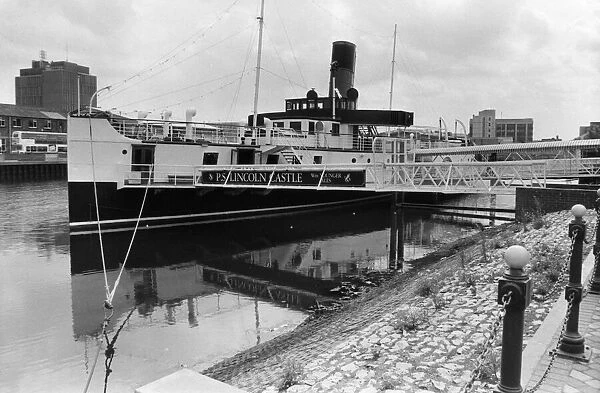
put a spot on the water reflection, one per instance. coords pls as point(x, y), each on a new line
point(291, 261)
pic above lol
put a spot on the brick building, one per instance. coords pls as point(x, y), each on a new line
point(21, 118)
point(54, 85)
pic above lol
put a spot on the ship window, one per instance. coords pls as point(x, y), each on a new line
point(272, 159)
point(320, 105)
point(335, 129)
point(210, 158)
point(277, 124)
point(318, 160)
point(317, 254)
point(141, 158)
point(296, 125)
point(311, 105)
point(288, 106)
point(311, 127)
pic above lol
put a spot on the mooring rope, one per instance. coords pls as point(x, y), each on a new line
point(107, 288)
point(110, 351)
point(137, 224)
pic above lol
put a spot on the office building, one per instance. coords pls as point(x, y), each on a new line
point(486, 129)
point(54, 86)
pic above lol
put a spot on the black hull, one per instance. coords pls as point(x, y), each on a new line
point(168, 207)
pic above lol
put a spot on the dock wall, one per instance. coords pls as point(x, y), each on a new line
point(31, 170)
point(554, 198)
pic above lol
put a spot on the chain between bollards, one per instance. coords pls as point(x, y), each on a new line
point(554, 352)
point(488, 344)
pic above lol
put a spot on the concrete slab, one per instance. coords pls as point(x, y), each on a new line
point(187, 381)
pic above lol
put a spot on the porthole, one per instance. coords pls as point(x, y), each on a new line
point(124, 151)
point(353, 160)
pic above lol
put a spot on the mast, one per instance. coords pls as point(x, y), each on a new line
point(393, 65)
point(256, 84)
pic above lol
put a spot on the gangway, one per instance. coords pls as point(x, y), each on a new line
point(443, 177)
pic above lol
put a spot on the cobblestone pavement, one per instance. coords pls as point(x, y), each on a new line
point(398, 339)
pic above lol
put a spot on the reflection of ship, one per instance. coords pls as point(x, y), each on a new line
point(201, 288)
point(290, 260)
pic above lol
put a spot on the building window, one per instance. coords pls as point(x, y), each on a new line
point(48, 124)
point(32, 123)
point(335, 129)
point(2, 122)
point(296, 125)
point(16, 122)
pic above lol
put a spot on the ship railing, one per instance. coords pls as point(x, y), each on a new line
point(172, 131)
point(159, 175)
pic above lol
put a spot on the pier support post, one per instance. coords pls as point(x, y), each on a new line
point(514, 292)
point(572, 344)
point(493, 209)
point(595, 282)
point(393, 232)
point(400, 226)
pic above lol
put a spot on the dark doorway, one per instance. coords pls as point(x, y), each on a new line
point(245, 156)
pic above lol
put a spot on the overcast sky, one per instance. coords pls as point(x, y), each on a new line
point(527, 58)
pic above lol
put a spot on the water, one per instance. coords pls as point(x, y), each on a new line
point(198, 294)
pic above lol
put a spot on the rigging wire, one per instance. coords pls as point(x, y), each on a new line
point(179, 90)
point(284, 69)
point(291, 46)
point(166, 58)
point(124, 88)
point(200, 96)
point(345, 22)
point(284, 78)
point(234, 101)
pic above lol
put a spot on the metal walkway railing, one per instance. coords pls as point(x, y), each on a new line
point(446, 177)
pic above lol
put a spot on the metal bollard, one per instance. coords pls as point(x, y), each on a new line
point(572, 345)
point(514, 292)
point(595, 282)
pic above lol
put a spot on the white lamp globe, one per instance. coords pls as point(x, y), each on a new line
point(578, 210)
point(516, 257)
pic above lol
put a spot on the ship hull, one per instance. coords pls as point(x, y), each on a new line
point(164, 207)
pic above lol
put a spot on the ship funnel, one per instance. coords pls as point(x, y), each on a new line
point(343, 58)
point(189, 114)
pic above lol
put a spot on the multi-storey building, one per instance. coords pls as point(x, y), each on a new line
point(54, 86)
point(486, 129)
point(20, 118)
point(590, 132)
